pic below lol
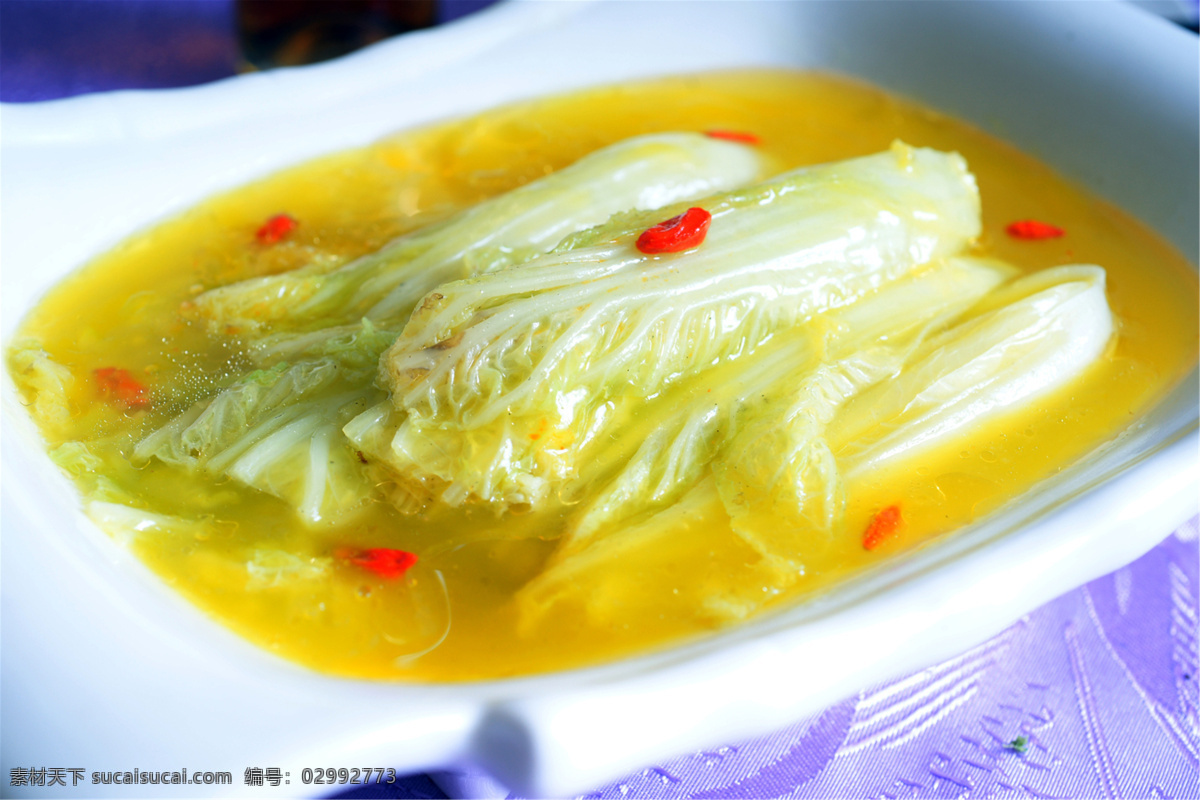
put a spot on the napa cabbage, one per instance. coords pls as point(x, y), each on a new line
point(600, 574)
point(784, 482)
point(781, 478)
point(80, 461)
point(46, 383)
point(644, 172)
point(829, 327)
point(126, 522)
point(1028, 339)
point(279, 431)
point(356, 346)
point(736, 413)
point(269, 568)
point(505, 379)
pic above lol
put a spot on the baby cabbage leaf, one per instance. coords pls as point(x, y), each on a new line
point(782, 392)
point(44, 382)
point(861, 410)
point(279, 431)
point(607, 316)
point(784, 480)
point(506, 378)
point(643, 172)
point(1027, 339)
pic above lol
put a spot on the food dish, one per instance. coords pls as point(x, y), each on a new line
point(400, 433)
point(493, 728)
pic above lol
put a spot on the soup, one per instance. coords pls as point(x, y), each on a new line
point(430, 495)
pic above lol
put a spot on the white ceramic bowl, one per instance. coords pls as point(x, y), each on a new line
point(107, 669)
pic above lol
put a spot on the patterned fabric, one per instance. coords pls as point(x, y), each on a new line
point(1101, 683)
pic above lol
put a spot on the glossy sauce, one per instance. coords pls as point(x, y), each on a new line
point(124, 310)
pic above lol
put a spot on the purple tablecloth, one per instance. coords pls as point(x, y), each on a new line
point(1101, 683)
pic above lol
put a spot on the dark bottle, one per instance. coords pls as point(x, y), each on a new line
point(287, 33)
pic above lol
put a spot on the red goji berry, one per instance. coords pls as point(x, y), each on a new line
point(276, 228)
point(119, 384)
point(745, 137)
point(678, 233)
point(1034, 229)
point(881, 527)
point(385, 562)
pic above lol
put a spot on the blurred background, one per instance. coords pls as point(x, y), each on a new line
point(60, 48)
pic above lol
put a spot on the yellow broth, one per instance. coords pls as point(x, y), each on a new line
point(127, 309)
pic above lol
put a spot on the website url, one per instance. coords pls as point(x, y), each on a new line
point(182, 776)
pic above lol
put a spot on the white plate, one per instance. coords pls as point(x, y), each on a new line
point(107, 669)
